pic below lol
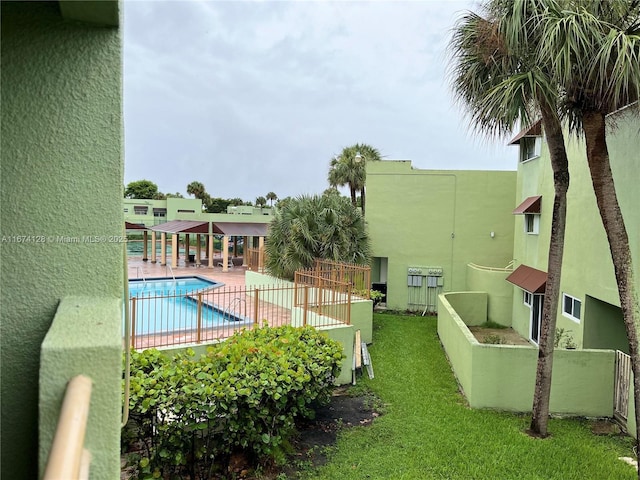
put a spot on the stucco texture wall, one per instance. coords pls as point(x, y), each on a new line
point(94, 350)
point(503, 376)
point(440, 218)
point(62, 171)
point(587, 269)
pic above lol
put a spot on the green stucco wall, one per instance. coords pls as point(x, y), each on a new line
point(503, 376)
point(62, 170)
point(604, 326)
point(587, 269)
point(95, 350)
point(440, 218)
point(499, 291)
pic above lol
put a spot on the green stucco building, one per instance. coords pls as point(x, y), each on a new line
point(62, 226)
point(589, 305)
point(426, 226)
point(589, 377)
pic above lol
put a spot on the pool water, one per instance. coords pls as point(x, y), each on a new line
point(163, 306)
point(169, 286)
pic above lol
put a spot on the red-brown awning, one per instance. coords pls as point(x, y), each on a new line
point(530, 205)
point(182, 226)
point(134, 226)
point(240, 229)
point(529, 279)
point(534, 130)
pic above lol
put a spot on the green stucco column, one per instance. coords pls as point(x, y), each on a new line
point(187, 249)
point(61, 142)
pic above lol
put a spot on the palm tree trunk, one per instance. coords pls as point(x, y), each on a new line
point(354, 201)
point(362, 200)
point(560, 167)
point(607, 200)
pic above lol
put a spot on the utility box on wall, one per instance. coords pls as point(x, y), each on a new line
point(425, 283)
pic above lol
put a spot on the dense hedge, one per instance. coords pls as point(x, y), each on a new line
point(188, 415)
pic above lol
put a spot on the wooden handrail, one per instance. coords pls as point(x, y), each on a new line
point(66, 455)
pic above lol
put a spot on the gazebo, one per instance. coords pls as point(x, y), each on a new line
point(175, 228)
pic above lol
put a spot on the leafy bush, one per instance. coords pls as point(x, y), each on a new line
point(188, 415)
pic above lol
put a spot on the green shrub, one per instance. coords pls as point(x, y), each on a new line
point(189, 414)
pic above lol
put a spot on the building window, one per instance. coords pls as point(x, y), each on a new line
point(527, 298)
point(140, 210)
point(531, 223)
point(571, 307)
point(126, 210)
point(529, 148)
point(186, 211)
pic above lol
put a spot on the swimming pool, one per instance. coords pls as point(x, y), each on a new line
point(168, 306)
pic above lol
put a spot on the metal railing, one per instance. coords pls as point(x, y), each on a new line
point(255, 258)
point(216, 314)
point(508, 268)
point(323, 296)
point(68, 458)
point(358, 276)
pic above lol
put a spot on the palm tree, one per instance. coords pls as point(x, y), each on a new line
point(349, 168)
point(271, 196)
point(196, 189)
point(344, 170)
point(310, 227)
point(368, 154)
point(500, 82)
point(261, 202)
point(594, 49)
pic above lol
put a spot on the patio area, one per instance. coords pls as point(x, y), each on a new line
point(137, 268)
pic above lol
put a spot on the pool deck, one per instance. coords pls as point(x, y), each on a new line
point(233, 277)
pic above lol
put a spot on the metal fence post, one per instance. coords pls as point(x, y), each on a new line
point(199, 319)
point(132, 314)
point(305, 307)
point(256, 309)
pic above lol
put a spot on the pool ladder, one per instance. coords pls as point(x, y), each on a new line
point(140, 273)
point(171, 270)
point(227, 311)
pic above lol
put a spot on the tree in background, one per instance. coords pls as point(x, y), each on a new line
point(271, 196)
point(499, 79)
point(174, 195)
point(310, 227)
point(261, 202)
point(142, 189)
point(349, 168)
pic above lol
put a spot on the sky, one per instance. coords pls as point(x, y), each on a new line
point(251, 97)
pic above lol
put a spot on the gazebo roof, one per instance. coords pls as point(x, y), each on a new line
point(182, 226)
point(241, 229)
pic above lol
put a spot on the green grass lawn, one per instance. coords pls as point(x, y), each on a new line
point(427, 431)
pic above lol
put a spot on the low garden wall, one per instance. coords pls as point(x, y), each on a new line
point(503, 376)
point(499, 291)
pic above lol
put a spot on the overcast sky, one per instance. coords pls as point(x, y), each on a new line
point(252, 97)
